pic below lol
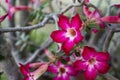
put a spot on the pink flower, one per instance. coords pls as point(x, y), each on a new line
point(63, 71)
point(25, 70)
point(3, 17)
point(92, 63)
point(69, 33)
point(93, 16)
point(12, 9)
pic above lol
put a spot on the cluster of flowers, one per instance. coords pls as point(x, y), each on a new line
point(90, 62)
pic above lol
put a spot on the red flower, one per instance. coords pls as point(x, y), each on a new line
point(69, 33)
point(92, 63)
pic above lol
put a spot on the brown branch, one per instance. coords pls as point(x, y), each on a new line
point(41, 24)
point(41, 48)
point(109, 36)
point(107, 40)
point(116, 29)
point(3, 7)
point(9, 65)
point(109, 8)
point(27, 28)
point(72, 5)
point(93, 6)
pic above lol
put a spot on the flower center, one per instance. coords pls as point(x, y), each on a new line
point(31, 76)
point(71, 32)
point(92, 61)
point(62, 70)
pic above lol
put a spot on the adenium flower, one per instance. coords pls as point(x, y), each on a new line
point(93, 16)
point(3, 17)
point(12, 9)
point(25, 70)
point(69, 35)
point(62, 71)
point(93, 62)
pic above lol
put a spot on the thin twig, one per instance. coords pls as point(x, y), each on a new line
point(27, 28)
point(41, 24)
point(93, 6)
point(3, 7)
point(72, 5)
point(107, 40)
point(42, 47)
point(111, 32)
point(109, 8)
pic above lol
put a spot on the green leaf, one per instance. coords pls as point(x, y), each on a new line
point(2, 57)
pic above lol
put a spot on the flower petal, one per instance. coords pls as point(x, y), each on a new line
point(53, 68)
point(70, 70)
point(63, 22)
point(57, 77)
point(86, 11)
point(88, 52)
point(26, 78)
point(100, 23)
point(3, 17)
point(111, 19)
point(102, 56)
point(117, 5)
point(76, 22)
point(24, 69)
point(65, 77)
point(11, 11)
point(58, 36)
point(102, 67)
point(95, 14)
point(87, 1)
point(90, 73)
point(6, 1)
point(22, 8)
point(80, 65)
point(78, 38)
point(67, 46)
